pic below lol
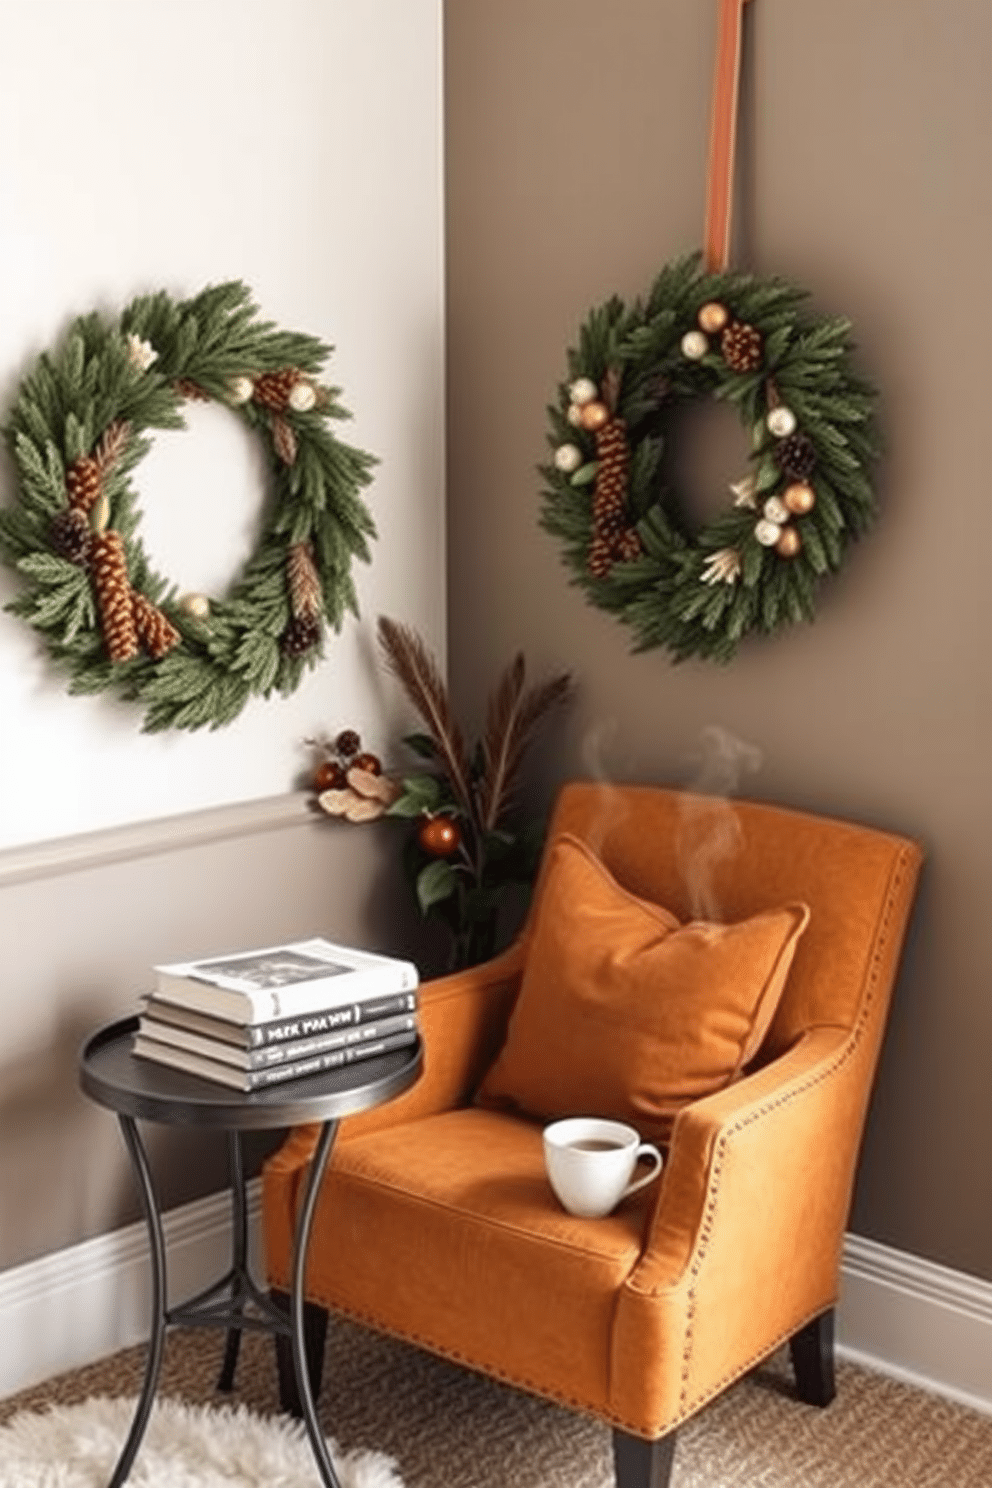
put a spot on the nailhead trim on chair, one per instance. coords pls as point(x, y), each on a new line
point(686, 1408)
point(689, 1408)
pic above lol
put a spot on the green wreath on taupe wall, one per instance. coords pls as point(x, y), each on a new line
point(807, 495)
point(77, 430)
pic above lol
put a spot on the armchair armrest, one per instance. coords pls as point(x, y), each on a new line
point(750, 1215)
point(785, 1118)
point(462, 1021)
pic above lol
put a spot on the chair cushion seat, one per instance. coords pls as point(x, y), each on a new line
point(446, 1231)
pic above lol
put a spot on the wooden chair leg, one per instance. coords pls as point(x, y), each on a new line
point(812, 1350)
point(314, 1338)
point(642, 1464)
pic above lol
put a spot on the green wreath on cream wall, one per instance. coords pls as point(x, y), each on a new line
point(77, 431)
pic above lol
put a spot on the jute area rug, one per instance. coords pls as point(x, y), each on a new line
point(447, 1428)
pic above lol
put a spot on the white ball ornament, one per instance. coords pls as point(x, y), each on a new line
point(568, 458)
point(767, 533)
point(583, 390)
point(302, 396)
point(240, 389)
point(694, 345)
point(775, 510)
point(781, 421)
point(574, 415)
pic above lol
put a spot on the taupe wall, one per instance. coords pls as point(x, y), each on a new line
point(576, 142)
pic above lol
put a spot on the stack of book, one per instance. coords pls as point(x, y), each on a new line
point(259, 1018)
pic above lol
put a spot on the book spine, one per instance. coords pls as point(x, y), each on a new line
point(297, 1068)
point(309, 1025)
point(342, 1038)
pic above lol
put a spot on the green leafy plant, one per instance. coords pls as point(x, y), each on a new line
point(468, 847)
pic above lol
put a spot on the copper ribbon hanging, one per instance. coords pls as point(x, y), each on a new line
point(723, 135)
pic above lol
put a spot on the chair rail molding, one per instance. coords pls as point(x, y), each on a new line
point(899, 1314)
point(61, 855)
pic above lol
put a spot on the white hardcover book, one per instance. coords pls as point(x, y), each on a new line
point(281, 981)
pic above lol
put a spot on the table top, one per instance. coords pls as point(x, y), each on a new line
point(112, 1075)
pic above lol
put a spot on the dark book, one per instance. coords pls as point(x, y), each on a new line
point(284, 981)
point(264, 1056)
point(247, 1080)
point(279, 1030)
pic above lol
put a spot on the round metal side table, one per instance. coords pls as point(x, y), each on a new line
point(138, 1089)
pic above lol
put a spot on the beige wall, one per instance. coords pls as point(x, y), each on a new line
point(85, 919)
point(576, 140)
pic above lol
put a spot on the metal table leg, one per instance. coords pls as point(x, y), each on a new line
point(239, 1255)
point(153, 1362)
point(324, 1144)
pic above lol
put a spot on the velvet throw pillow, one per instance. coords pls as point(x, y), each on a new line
point(623, 1012)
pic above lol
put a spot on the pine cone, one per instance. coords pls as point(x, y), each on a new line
point(272, 389)
point(300, 636)
point(70, 536)
point(155, 632)
point(283, 439)
point(795, 456)
point(629, 545)
point(113, 594)
point(115, 437)
point(305, 597)
point(600, 559)
point(742, 347)
point(82, 481)
point(613, 538)
point(347, 743)
point(187, 388)
point(613, 468)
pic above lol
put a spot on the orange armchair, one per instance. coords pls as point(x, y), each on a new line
point(436, 1223)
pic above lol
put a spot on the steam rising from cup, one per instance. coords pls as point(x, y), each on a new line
point(709, 829)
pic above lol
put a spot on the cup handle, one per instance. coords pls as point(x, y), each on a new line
point(648, 1151)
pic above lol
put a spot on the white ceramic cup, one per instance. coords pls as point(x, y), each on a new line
point(590, 1163)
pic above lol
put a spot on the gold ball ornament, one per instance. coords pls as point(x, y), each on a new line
point(694, 345)
point(799, 498)
point(776, 510)
point(713, 317)
point(789, 543)
point(594, 416)
point(767, 533)
point(197, 605)
point(568, 458)
point(583, 390)
point(781, 422)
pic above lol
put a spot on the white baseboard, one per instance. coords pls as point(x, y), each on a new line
point(917, 1321)
point(78, 1305)
point(899, 1314)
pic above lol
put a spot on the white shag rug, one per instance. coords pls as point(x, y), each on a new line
point(185, 1446)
